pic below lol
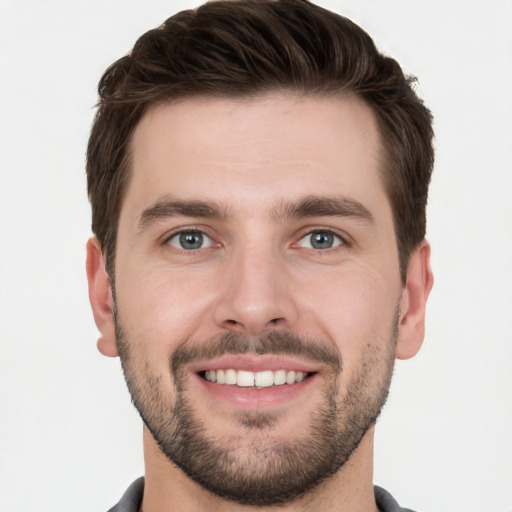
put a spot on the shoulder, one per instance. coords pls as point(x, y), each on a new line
point(132, 498)
point(386, 502)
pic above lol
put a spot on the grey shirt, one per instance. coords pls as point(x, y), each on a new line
point(132, 499)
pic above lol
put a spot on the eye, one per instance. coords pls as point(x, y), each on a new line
point(320, 239)
point(190, 240)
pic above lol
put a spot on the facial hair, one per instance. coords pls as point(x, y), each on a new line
point(269, 470)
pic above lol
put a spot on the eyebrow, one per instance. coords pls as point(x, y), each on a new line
point(309, 206)
point(323, 206)
point(168, 207)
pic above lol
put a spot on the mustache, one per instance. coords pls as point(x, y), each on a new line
point(272, 342)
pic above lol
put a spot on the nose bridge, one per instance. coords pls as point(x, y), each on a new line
point(255, 296)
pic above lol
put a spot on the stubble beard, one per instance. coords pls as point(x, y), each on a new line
point(268, 470)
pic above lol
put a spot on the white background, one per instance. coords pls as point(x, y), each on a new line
point(69, 437)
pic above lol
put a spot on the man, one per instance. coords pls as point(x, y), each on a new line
point(258, 175)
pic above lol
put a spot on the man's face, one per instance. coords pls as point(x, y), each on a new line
point(256, 245)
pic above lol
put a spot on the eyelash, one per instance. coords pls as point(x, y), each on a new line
point(325, 231)
point(189, 230)
point(343, 239)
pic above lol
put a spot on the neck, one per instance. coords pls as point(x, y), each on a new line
point(168, 489)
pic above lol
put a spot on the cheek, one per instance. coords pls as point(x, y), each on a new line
point(160, 309)
point(354, 308)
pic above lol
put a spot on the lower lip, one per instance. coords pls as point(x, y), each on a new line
point(252, 398)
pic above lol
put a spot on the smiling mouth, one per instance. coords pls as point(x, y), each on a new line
point(262, 379)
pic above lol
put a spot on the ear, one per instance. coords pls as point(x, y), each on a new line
point(100, 296)
point(411, 329)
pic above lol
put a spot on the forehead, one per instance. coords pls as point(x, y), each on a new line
point(248, 153)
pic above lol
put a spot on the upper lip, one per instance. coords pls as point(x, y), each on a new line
point(256, 363)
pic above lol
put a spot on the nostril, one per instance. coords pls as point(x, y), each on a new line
point(254, 327)
point(233, 325)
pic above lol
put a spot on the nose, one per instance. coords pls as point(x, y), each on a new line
point(256, 294)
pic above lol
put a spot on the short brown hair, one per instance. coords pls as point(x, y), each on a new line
point(242, 48)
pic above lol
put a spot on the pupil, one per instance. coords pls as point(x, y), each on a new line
point(191, 240)
point(322, 240)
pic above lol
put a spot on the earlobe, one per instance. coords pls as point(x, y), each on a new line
point(100, 296)
point(411, 329)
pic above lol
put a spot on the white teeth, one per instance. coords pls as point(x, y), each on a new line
point(264, 379)
point(279, 377)
point(245, 379)
point(261, 379)
point(230, 376)
point(290, 377)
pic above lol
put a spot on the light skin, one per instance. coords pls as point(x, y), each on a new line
point(297, 236)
